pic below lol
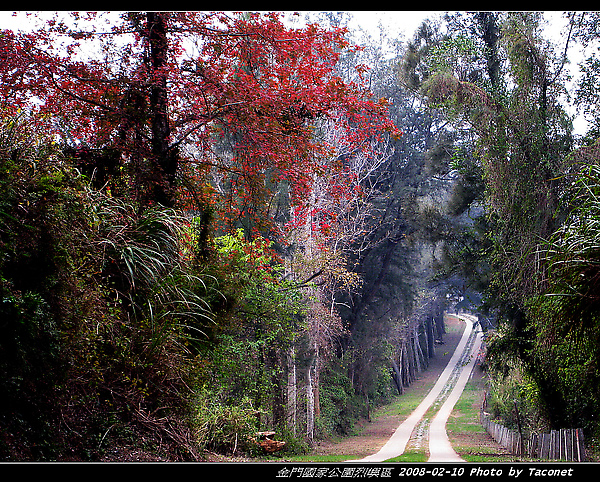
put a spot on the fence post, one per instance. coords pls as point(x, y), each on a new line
point(563, 444)
point(519, 447)
point(581, 455)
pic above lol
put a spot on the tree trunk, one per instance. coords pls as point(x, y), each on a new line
point(278, 384)
point(317, 379)
point(417, 352)
point(310, 405)
point(164, 158)
point(430, 337)
point(291, 391)
point(410, 358)
point(397, 376)
point(440, 327)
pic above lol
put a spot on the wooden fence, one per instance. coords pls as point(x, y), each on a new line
point(564, 444)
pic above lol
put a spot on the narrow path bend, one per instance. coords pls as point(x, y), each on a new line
point(440, 449)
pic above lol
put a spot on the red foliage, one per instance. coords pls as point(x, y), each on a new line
point(245, 81)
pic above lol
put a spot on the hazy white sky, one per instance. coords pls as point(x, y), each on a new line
point(394, 20)
point(397, 23)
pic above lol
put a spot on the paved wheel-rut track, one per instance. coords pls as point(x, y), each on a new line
point(446, 392)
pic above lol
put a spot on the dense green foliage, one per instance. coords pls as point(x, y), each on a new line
point(129, 327)
point(100, 307)
point(533, 255)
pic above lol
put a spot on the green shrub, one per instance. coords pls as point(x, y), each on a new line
point(98, 304)
point(223, 428)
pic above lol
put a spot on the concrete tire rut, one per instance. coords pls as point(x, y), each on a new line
point(455, 376)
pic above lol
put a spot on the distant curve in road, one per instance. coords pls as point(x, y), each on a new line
point(440, 449)
point(439, 444)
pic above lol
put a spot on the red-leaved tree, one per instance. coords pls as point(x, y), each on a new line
point(191, 108)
